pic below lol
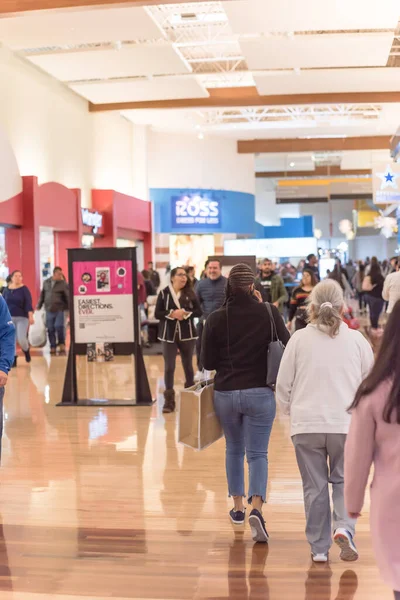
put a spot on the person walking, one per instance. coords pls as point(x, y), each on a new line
point(391, 288)
point(176, 308)
point(298, 301)
point(373, 287)
point(271, 286)
point(154, 276)
point(357, 282)
point(211, 293)
point(55, 299)
point(235, 344)
point(19, 302)
point(321, 369)
point(7, 353)
point(374, 438)
point(312, 265)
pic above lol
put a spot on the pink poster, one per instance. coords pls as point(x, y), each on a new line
point(103, 301)
point(93, 278)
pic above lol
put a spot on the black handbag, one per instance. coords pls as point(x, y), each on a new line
point(275, 352)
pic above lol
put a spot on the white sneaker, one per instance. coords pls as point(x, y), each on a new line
point(320, 558)
point(199, 376)
point(344, 540)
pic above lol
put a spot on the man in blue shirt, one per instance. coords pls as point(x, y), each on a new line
point(7, 351)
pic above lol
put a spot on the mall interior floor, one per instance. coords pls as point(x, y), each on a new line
point(104, 503)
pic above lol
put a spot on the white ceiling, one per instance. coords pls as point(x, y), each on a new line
point(178, 51)
point(266, 16)
point(129, 61)
point(306, 161)
point(46, 29)
point(167, 88)
point(316, 51)
point(328, 81)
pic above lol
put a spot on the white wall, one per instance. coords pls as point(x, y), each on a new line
point(112, 152)
point(184, 161)
point(10, 179)
point(267, 211)
point(140, 162)
point(55, 137)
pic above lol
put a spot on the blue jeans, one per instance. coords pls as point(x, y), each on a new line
point(375, 308)
point(246, 417)
point(2, 390)
point(55, 325)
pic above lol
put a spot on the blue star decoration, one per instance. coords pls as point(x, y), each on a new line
point(388, 178)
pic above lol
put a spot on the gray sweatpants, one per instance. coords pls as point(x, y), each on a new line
point(21, 331)
point(320, 457)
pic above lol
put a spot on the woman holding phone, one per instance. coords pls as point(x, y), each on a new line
point(177, 306)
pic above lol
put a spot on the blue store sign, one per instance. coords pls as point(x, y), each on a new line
point(196, 209)
point(191, 210)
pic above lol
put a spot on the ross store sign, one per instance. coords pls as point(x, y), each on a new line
point(386, 183)
point(196, 209)
point(92, 219)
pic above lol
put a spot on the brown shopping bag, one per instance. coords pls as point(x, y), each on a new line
point(198, 424)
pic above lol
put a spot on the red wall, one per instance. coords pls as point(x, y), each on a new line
point(125, 217)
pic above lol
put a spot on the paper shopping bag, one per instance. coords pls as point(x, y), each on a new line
point(198, 424)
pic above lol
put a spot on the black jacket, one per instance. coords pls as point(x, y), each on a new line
point(171, 328)
point(242, 364)
point(54, 296)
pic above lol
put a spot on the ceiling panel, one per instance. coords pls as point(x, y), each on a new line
point(44, 29)
point(364, 159)
point(313, 51)
point(136, 91)
point(132, 61)
point(281, 162)
point(332, 80)
point(262, 16)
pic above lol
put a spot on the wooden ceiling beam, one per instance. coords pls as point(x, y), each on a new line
point(248, 96)
point(377, 142)
point(317, 172)
point(10, 7)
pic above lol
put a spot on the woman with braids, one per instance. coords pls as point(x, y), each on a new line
point(374, 437)
point(235, 344)
point(176, 308)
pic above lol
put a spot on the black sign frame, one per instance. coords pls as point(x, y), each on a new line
point(70, 390)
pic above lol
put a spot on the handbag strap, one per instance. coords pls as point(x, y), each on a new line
point(274, 331)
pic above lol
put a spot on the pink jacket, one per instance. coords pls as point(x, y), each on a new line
point(371, 440)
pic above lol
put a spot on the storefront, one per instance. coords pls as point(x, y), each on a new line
point(193, 224)
point(127, 223)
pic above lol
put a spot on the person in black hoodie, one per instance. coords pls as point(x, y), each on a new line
point(235, 343)
point(177, 306)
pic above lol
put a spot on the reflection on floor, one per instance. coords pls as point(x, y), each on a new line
point(102, 502)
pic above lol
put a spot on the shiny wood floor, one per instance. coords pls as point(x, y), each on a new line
point(103, 503)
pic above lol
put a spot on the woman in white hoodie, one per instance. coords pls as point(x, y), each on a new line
point(321, 370)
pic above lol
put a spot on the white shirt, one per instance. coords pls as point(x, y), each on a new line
point(319, 376)
point(391, 290)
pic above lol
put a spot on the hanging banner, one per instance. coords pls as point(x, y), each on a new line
point(103, 301)
point(386, 183)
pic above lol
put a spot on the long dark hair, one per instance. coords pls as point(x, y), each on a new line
point(386, 368)
point(312, 275)
point(337, 274)
point(375, 273)
point(188, 288)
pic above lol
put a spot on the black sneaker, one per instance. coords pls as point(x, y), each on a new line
point(237, 516)
point(257, 525)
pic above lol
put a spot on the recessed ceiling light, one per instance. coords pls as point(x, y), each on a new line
point(291, 164)
point(201, 136)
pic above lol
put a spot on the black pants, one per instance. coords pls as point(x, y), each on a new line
point(375, 308)
point(169, 352)
point(361, 300)
point(200, 328)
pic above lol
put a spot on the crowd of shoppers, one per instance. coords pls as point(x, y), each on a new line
point(344, 412)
